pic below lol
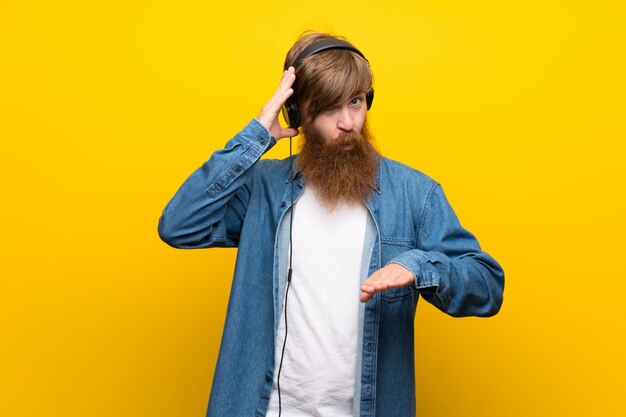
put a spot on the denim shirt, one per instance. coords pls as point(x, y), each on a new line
point(236, 199)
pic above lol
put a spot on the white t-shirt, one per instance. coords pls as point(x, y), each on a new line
point(319, 366)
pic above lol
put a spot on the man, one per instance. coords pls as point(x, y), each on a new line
point(335, 247)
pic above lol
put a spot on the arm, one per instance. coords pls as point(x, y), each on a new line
point(209, 207)
point(449, 270)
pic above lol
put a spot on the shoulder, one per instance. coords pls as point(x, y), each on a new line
point(273, 171)
point(394, 172)
point(269, 165)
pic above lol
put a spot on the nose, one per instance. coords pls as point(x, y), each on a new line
point(345, 120)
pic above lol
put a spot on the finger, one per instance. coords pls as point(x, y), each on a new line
point(382, 286)
point(287, 132)
point(365, 297)
point(284, 90)
point(290, 132)
point(286, 82)
point(278, 99)
point(373, 279)
point(289, 76)
point(368, 290)
point(272, 107)
point(285, 95)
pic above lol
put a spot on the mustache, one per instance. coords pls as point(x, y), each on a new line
point(351, 138)
point(348, 138)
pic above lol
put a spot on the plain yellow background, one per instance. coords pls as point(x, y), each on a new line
point(516, 107)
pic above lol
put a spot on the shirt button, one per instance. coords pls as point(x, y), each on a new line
point(263, 141)
point(238, 168)
point(268, 378)
point(369, 346)
point(283, 204)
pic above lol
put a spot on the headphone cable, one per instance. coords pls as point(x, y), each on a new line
point(282, 355)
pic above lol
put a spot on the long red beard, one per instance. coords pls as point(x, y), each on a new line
point(338, 174)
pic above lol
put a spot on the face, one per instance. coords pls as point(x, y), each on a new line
point(343, 118)
point(337, 157)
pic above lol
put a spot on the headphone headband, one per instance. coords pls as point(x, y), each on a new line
point(323, 45)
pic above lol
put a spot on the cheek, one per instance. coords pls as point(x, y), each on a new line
point(323, 126)
point(361, 122)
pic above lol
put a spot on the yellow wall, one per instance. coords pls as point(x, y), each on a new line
point(516, 107)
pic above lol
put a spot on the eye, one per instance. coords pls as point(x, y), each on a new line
point(355, 101)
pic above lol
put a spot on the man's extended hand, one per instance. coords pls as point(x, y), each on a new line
point(391, 276)
point(269, 113)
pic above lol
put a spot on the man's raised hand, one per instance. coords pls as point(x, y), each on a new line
point(269, 113)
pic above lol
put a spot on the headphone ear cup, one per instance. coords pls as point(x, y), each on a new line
point(291, 113)
point(369, 98)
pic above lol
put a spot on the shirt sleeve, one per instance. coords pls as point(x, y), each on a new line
point(450, 269)
point(209, 207)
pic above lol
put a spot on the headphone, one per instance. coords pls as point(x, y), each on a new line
point(290, 108)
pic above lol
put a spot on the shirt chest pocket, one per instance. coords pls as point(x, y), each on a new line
point(390, 248)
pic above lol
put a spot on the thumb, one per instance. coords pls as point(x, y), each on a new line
point(288, 132)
